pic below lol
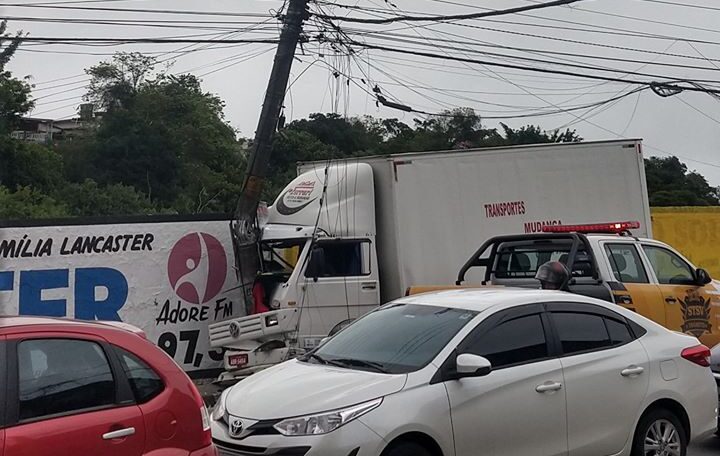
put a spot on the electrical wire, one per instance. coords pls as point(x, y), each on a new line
point(686, 5)
point(137, 10)
point(530, 69)
point(493, 13)
point(402, 38)
point(81, 40)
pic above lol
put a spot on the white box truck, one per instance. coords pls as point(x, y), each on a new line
point(348, 235)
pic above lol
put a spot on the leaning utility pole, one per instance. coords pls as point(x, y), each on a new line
point(244, 227)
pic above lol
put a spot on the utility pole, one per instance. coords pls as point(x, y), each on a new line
point(243, 228)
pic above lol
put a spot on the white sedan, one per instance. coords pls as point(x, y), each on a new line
point(480, 372)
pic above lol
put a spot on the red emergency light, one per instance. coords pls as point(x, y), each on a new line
point(603, 228)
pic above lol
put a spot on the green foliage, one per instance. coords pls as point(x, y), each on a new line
point(532, 134)
point(27, 202)
point(28, 164)
point(162, 144)
point(163, 136)
point(14, 101)
point(14, 93)
point(90, 199)
point(114, 84)
point(7, 50)
point(671, 184)
point(330, 136)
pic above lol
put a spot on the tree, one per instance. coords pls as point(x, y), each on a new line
point(162, 135)
point(671, 184)
point(532, 134)
point(114, 84)
point(90, 199)
point(14, 93)
point(27, 164)
point(27, 202)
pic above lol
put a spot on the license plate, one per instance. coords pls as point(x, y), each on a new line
point(238, 360)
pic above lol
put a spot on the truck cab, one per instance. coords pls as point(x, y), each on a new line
point(607, 262)
point(318, 270)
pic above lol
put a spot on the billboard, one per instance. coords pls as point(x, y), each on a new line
point(169, 276)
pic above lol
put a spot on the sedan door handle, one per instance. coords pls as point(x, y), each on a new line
point(368, 285)
point(632, 371)
point(119, 434)
point(670, 300)
point(548, 387)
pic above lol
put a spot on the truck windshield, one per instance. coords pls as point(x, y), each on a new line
point(281, 256)
point(396, 339)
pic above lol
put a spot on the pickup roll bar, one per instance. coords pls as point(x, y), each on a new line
point(577, 240)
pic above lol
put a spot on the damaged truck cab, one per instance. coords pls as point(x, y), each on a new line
point(318, 270)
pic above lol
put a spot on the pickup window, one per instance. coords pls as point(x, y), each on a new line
point(625, 263)
point(669, 267)
point(522, 262)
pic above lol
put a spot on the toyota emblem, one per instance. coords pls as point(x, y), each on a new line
point(235, 427)
point(234, 329)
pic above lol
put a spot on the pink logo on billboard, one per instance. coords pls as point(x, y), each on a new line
point(197, 267)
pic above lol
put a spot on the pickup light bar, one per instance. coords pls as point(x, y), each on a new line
point(603, 228)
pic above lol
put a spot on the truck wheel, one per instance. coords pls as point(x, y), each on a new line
point(407, 449)
point(659, 432)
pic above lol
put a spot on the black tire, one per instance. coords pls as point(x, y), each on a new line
point(662, 417)
point(407, 449)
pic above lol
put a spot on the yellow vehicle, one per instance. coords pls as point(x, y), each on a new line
point(607, 262)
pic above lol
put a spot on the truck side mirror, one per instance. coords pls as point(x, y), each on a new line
point(469, 365)
point(702, 277)
point(316, 264)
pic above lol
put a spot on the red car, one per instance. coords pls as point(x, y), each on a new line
point(72, 388)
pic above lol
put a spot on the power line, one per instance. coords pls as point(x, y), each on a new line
point(70, 2)
point(641, 19)
point(136, 10)
point(532, 69)
point(456, 17)
point(77, 40)
point(603, 29)
point(704, 114)
point(541, 61)
point(198, 25)
point(389, 35)
point(686, 5)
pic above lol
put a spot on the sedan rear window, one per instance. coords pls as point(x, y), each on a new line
point(397, 338)
point(585, 332)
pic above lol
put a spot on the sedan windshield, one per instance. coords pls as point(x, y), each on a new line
point(397, 338)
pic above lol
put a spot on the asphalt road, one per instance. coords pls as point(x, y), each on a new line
point(706, 447)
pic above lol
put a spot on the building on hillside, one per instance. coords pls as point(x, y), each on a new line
point(50, 131)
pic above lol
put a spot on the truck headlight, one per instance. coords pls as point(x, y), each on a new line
point(218, 412)
point(323, 423)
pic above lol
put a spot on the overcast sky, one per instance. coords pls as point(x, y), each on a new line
point(687, 125)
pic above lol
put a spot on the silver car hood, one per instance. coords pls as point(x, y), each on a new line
point(297, 388)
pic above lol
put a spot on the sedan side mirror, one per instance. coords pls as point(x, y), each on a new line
point(469, 365)
point(702, 277)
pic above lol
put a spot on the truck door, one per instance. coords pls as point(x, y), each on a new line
point(689, 307)
point(341, 284)
point(634, 288)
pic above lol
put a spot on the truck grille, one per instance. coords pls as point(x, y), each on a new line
point(225, 333)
